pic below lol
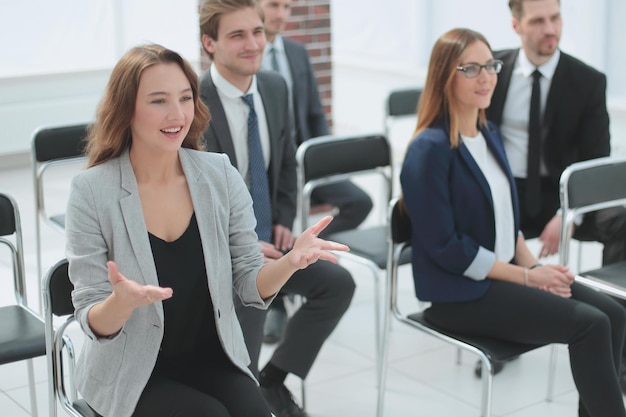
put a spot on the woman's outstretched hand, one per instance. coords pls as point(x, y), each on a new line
point(309, 248)
point(131, 294)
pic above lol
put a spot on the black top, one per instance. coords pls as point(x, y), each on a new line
point(190, 335)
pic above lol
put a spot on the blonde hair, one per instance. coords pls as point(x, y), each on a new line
point(212, 10)
point(110, 134)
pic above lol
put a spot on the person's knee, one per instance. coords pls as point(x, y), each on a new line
point(343, 288)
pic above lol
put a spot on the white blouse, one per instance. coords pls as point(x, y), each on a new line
point(500, 194)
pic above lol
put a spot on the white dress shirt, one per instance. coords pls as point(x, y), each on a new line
point(514, 127)
point(237, 116)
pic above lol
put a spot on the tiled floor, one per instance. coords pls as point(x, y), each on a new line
point(424, 378)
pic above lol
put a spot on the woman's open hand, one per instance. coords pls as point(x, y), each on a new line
point(309, 248)
point(131, 294)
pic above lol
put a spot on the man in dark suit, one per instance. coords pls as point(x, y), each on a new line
point(573, 125)
point(233, 37)
point(291, 59)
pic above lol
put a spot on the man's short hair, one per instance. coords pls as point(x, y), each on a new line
point(517, 8)
point(212, 10)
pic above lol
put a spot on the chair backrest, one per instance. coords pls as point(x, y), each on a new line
point(398, 240)
point(399, 222)
point(400, 119)
point(11, 237)
point(52, 143)
point(589, 186)
point(329, 159)
point(57, 295)
point(53, 146)
point(402, 102)
point(58, 289)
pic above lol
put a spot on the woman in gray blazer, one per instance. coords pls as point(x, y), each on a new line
point(158, 236)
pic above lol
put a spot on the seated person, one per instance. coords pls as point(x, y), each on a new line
point(159, 233)
point(469, 258)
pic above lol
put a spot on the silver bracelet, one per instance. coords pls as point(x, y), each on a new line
point(526, 276)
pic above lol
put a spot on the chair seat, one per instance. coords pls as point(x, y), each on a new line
point(495, 349)
point(22, 335)
point(610, 278)
point(370, 243)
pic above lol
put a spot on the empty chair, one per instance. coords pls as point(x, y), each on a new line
point(22, 334)
point(489, 350)
point(585, 187)
point(57, 293)
point(401, 118)
point(52, 147)
point(329, 159)
point(401, 103)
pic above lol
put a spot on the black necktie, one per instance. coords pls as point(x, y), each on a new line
point(533, 177)
point(259, 185)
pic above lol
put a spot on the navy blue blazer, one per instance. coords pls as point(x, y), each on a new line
point(452, 215)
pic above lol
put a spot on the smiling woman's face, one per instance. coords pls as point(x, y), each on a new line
point(164, 109)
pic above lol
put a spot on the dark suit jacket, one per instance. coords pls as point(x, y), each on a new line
point(452, 215)
point(282, 168)
point(309, 114)
point(575, 121)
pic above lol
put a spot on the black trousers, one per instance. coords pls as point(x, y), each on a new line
point(353, 203)
point(221, 391)
point(591, 323)
point(606, 226)
point(328, 289)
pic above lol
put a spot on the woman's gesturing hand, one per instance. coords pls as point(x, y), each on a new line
point(309, 248)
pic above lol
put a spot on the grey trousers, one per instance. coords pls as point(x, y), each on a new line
point(328, 289)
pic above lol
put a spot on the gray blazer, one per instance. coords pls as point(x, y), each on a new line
point(105, 222)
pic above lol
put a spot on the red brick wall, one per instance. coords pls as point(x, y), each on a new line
point(310, 25)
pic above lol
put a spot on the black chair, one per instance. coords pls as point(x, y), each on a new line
point(488, 350)
point(57, 294)
point(585, 187)
point(401, 103)
point(51, 148)
point(329, 159)
point(22, 335)
point(400, 119)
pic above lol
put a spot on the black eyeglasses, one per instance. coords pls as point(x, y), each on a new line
point(473, 70)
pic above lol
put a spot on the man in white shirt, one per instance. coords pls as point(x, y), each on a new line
point(573, 126)
point(233, 36)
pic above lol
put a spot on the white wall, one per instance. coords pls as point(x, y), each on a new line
point(57, 56)
point(377, 49)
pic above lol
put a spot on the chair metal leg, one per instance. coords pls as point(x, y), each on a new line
point(303, 393)
point(31, 385)
point(487, 377)
point(383, 349)
point(554, 353)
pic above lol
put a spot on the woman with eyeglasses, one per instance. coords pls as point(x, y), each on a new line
point(469, 258)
